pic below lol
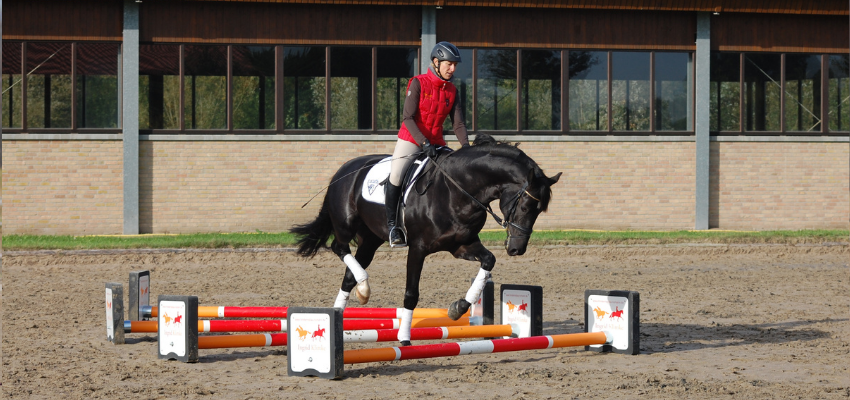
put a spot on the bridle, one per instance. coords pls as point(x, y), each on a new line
point(508, 221)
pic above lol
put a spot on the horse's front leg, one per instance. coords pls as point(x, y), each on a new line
point(473, 252)
point(415, 260)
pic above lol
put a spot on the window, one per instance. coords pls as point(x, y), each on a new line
point(159, 87)
point(351, 88)
point(253, 87)
point(304, 87)
point(839, 93)
point(396, 66)
point(588, 90)
point(725, 97)
point(11, 85)
point(205, 87)
point(802, 92)
point(762, 92)
point(541, 90)
point(49, 85)
point(97, 85)
point(672, 92)
point(497, 90)
point(630, 91)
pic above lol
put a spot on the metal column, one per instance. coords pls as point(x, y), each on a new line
point(429, 36)
point(703, 99)
point(130, 115)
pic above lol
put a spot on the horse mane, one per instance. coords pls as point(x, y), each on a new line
point(485, 143)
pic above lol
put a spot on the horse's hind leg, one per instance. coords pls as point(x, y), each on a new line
point(355, 275)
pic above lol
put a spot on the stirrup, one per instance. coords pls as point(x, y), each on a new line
point(400, 240)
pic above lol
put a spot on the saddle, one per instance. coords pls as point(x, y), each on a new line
point(378, 176)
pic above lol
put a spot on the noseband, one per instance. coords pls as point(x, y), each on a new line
point(526, 232)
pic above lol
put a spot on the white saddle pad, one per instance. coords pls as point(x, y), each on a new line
point(373, 186)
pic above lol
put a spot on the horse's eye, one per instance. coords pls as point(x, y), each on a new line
point(524, 209)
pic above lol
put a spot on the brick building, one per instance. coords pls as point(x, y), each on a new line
point(175, 116)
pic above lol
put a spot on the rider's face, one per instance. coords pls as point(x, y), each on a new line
point(446, 68)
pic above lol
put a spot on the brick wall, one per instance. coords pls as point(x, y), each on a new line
point(765, 186)
point(618, 185)
point(55, 187)
point(247, 186)
point(237, 186)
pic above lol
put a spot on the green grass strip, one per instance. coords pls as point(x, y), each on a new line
point(490, 237)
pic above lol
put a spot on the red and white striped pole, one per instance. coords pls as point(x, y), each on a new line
point(279, 325)
point(476, 347)
point(365, 336)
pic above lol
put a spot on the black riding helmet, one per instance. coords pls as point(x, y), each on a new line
point(445, 51)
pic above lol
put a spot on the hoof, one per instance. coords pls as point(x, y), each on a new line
point(405, 343)
point(458, 308)
point(362, 291)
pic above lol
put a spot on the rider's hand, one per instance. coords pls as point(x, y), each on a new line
point(429, 150)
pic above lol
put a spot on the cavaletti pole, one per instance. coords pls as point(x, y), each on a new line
point(280, 325)
point(476, 347)
point(280, 312)
point(365, 336)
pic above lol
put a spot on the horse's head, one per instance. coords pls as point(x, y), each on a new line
point(522, 206)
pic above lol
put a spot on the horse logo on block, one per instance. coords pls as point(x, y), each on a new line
point(599, 313)
point(617, 314)
point(302, 333)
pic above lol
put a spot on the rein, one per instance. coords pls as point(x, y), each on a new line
point(526, 232)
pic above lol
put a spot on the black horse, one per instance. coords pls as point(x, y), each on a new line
point(445, 211)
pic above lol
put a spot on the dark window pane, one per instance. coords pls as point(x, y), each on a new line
point(725, 109)
point(762, 92)
point(462, 79)
point(630, 91)
point(97, 85)
point(12, 85)
point(48, 85)
point(541, 90)
point(205, 86)
point(497, 90)
point(395, 68)
point(304, 87)
point(253, 87)
point(802, 92)
point(839, 92)
point(351, 88)
point(672, 84)
point(159, 87)
point(588, 90)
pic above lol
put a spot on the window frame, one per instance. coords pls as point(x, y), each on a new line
point(74, 128)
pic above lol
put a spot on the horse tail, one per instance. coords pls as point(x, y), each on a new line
point(314, 235)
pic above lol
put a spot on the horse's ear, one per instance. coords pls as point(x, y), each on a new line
point(553, 180)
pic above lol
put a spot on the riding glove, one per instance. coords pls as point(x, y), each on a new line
point(429, 150)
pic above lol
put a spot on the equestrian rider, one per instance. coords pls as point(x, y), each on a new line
point(431, 97)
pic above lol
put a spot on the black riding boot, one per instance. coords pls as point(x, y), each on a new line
point(391, 201)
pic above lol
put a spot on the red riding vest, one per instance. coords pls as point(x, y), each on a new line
point(436, 98)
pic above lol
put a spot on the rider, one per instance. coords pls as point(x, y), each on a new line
point(431, 97)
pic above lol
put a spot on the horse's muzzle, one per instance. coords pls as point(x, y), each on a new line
point(516, 246)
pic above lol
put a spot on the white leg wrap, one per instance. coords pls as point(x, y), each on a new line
point(477, 286)
point(341, 299)
point(360, 274)
point(404, 328)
